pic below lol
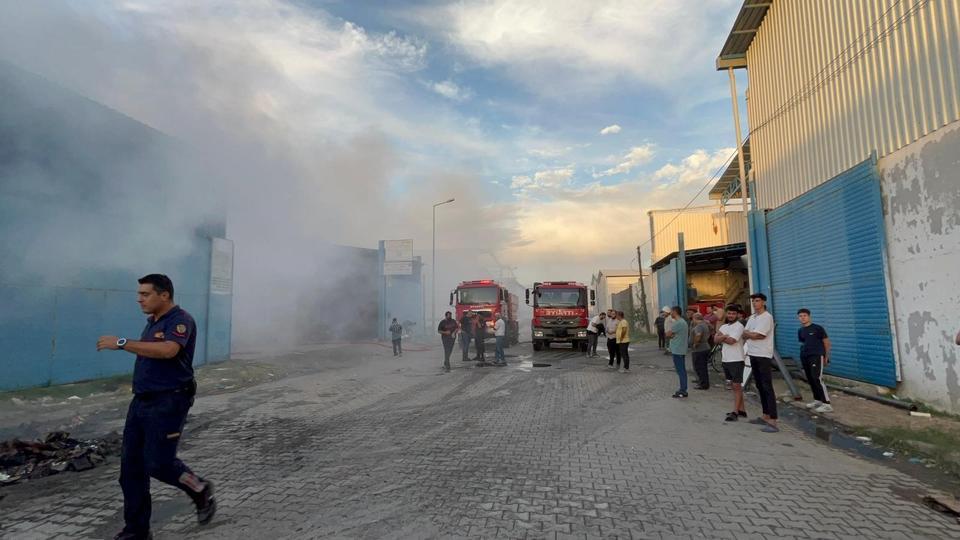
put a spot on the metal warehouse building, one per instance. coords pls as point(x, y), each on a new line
point(854, 178)
point(90, 200)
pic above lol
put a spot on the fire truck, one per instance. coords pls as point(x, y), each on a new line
point(488, 297)
point(560, 313)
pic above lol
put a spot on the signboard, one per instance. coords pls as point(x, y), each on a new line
point(221, 266)
point(398, 250)
point(397, 257)
point(397, 268)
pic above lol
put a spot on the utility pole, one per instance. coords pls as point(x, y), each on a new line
point(433, 280)
point(644, 315)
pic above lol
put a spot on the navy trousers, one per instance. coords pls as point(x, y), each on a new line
point(150, 437)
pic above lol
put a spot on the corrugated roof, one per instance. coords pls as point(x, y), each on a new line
point(748, 21)
point(705, 255)
point(730, 179)
point(619, 272)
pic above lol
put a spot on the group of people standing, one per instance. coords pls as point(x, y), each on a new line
point(472, 328)
point(747, 348)
point(614, 326)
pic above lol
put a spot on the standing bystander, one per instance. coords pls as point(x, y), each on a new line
point(659, 324)
point(623, 341)
point(759, 348)
point(396, 334)
point(730, 336)
point(593, 332)
point(466, 333)
point(611, 330)
point(815, 356)
point(479, 335)
point(677, 330)
point(500, 336)
point(700, 350)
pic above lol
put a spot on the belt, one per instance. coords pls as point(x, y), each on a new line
point(189, 389)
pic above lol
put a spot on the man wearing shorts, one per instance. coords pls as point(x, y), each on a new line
point(730, 335)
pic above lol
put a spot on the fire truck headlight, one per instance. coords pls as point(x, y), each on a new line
point(582, 333)
point(538, 333)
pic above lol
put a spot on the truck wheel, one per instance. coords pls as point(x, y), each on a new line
point(538, 345)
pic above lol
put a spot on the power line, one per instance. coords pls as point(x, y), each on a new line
point(813, 85)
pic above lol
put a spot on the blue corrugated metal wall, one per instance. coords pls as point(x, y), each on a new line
point(667, 285)
point(55, 300)
point(826, 252)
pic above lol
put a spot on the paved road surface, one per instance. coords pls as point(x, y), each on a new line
point(371, 446)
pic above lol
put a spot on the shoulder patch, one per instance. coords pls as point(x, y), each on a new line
point(181, 329)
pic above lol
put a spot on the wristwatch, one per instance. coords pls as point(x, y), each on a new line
point(121, 342)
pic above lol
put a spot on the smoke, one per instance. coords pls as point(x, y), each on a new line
point(297, 125)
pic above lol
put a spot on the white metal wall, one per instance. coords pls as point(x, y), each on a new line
point(832, 80)
point(702, 227)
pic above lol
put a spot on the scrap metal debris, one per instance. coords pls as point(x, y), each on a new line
point(55, 453)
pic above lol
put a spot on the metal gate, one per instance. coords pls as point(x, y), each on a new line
point(827, 253)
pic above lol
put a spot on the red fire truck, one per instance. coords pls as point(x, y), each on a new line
point(560, 313)
point(488, 297)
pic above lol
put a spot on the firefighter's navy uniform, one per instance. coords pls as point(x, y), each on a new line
point(163, 394)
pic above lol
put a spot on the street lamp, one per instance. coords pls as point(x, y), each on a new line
point(433, 281)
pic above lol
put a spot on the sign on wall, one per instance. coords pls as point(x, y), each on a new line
point(221, 266)
point(397, 257)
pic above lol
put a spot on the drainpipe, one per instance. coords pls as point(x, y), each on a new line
point(743, 172)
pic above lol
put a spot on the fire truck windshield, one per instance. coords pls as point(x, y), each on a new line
point(479, 295)
point(560, 298)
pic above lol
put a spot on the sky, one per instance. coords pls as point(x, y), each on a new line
point(555, 124)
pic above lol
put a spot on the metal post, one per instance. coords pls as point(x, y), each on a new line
point(743, 174)
point(644, 314)
point(433, 279)
point(681, 274)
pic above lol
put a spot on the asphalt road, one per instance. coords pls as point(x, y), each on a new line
point(359, 444)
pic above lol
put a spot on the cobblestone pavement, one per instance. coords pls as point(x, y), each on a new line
point(384, 447)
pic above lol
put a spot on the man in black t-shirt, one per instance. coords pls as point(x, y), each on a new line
point(448, 335)
point(814, 355)
point(466, 333)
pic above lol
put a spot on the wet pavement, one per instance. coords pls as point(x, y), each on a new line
point(358, 444)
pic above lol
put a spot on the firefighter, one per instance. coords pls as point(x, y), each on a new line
point(163, 388)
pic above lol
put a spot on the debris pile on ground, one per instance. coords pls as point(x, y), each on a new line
point(55, 453)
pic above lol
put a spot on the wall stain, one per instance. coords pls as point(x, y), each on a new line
point(916, 328)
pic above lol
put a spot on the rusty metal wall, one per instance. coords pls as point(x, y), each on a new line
point(830, 81)
point(703, 226)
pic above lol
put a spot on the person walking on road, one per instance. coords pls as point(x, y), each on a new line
point(163, 392)
point(700, 350)
point(448, 329)
point(623, 341)
point(730, 338)
point(815, 356)
point(500, 336)
point(594, 329)
point(759, 335)
point(661, 332)
point(677, 331)
point(610, 328)
point(466, 333)
point(396, 334)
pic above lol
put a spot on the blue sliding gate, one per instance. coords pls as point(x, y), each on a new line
point(826, 253)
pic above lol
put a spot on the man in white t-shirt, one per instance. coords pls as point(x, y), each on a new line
point(759, 348)
point(730, 335)
point(500, 337)
point(597, 323)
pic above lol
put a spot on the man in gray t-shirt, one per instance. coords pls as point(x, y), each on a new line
point(700, 348)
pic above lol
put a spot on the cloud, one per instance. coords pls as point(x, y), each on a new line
point(610, 130)
point(696, 168)
point(542, 180)
point(585, 45)
point(638, 155)
point(451, 90)
point(551, 224)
